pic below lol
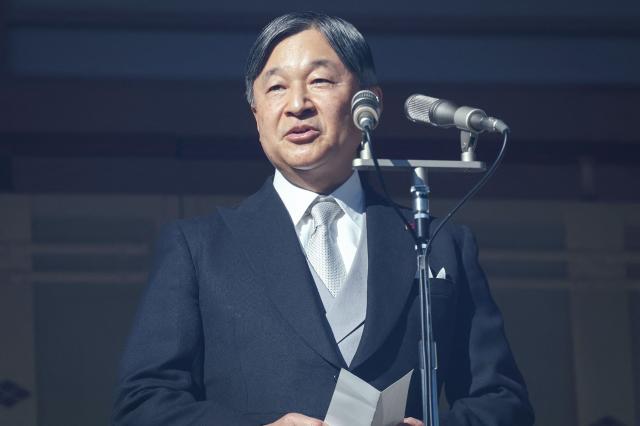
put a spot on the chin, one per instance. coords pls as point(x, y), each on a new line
point(304, 167)
point(307, 163)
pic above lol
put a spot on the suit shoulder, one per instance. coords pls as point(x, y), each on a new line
point(216, 222)
point(454, 238)
point(452, 230)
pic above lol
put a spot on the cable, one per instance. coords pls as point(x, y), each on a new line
point(367, 135)
point(423, 252)
point(472, 192)
point(468, 195)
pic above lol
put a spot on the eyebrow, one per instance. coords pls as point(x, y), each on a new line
point(318, 63)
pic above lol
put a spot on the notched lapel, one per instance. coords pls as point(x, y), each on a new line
point(392, 267)
point(264, 230)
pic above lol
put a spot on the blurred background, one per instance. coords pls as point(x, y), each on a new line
point(117, 117)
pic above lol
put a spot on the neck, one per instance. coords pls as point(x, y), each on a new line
point(323, 184)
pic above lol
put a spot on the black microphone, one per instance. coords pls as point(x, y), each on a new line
point(365, 108)
point(443, 113)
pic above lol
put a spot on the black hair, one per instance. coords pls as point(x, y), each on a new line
point(344, 38)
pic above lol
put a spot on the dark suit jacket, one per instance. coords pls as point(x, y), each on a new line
point(231, 330)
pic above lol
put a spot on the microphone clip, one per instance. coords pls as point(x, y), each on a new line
point(468, 142)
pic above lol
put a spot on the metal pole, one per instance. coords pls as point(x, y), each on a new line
point(427, 346)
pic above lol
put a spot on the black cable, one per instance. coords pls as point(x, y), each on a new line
point(424, 288)
point(472, 192)
point(367, 135)
point(483, 180)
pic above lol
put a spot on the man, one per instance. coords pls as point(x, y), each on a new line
point(251, 312)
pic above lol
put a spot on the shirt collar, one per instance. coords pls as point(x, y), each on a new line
point(349, 196)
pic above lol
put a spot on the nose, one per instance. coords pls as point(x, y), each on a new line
point(298, 103)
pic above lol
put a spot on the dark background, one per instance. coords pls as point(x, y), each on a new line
point(117, 117)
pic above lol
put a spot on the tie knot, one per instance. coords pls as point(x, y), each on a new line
point(324, 210)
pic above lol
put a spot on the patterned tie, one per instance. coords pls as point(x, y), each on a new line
point(322, 250)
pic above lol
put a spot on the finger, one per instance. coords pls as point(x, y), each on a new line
point(297, 419)
point(412, 422)
point(309, 421)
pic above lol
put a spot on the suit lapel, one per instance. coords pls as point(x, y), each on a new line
point(265, 232)
point(392, 267)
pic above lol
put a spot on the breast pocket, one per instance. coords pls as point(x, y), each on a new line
point(441, 287)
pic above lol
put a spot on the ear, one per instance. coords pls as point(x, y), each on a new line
point(254, 111)
point(378, 91)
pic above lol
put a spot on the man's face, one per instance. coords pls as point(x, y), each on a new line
point(302, 107)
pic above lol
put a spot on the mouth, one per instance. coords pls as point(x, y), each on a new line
point(302, 134)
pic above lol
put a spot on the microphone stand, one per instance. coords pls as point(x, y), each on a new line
point(420, 191)
point(427, 350)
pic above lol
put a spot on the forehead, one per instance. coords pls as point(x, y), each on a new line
point(303, 50)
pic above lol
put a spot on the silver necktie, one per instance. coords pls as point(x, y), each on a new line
point(322, 250)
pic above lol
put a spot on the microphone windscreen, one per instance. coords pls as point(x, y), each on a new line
point(419, 108)
point(365, 108)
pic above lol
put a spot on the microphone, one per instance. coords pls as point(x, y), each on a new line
point(443, 113)
point(365, 108)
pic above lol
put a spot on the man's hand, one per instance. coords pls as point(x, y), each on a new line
point(295, 419)
point(410, 421)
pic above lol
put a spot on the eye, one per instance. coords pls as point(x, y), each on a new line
point(321, 81)
point(275, 88)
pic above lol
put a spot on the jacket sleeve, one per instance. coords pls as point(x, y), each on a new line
point(483, 384)
point(160, 381)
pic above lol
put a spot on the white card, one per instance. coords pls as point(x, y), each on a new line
point(357, 403)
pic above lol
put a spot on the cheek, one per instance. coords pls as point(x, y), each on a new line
point(340, 117)
point(348, 117)
point(266, 113)
point(267, 127)
point(346, 125)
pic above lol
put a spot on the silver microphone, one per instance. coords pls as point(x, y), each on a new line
point(443, 113)
point(365, 108)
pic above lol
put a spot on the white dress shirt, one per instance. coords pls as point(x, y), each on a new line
point(347, 229)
